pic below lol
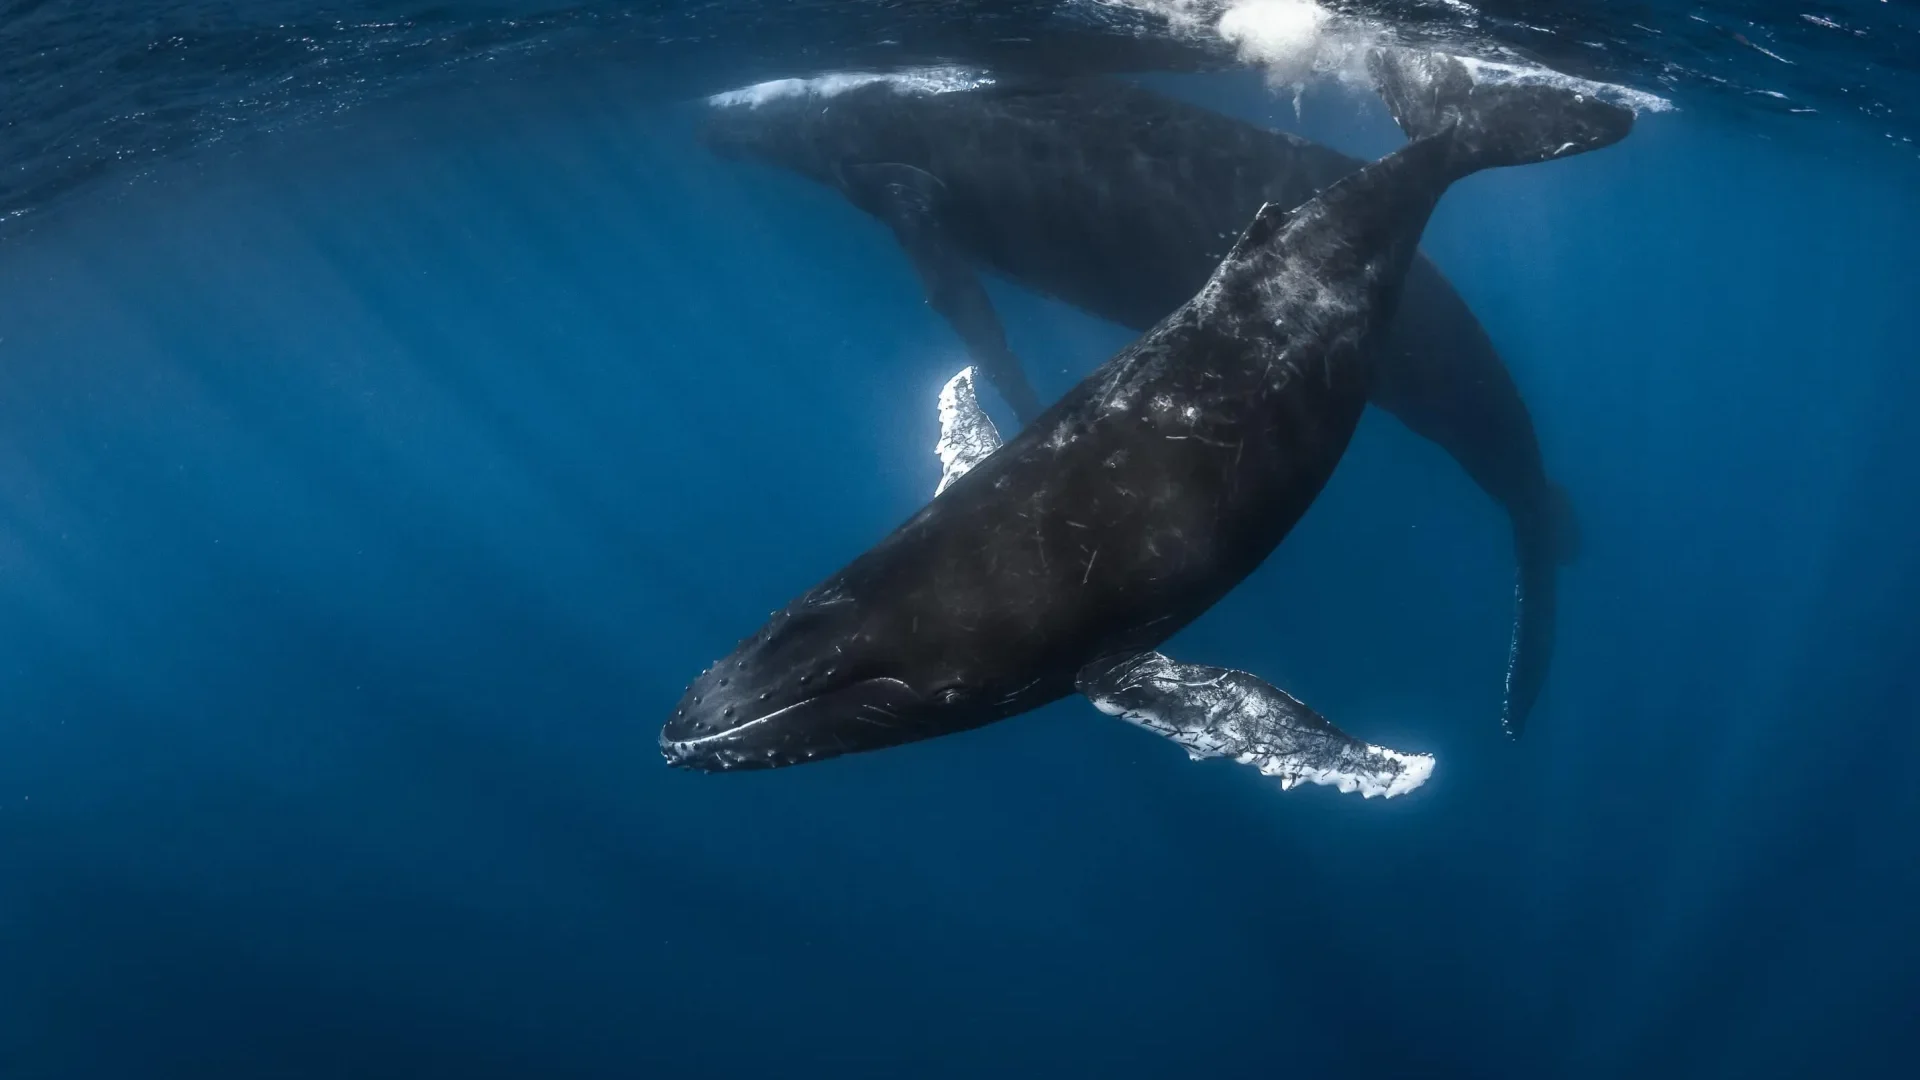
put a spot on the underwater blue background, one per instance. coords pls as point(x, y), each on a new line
point(367, 497)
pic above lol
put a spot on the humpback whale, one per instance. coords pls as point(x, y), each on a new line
point(1060, 560)
point(1121, 202)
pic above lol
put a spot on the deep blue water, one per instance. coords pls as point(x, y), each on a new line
point(367, 496)
point(96, 88)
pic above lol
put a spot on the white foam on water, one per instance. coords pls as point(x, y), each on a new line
point(1288, 37)
point(934, 80)
point(1293, 40)
point(1296, 41)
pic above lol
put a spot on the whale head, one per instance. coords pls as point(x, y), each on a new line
point(828, 676)
point(807, 126)
point(782, 132)
point(815, 126)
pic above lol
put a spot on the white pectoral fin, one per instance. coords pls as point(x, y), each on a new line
point(1219, 712)
point(967, 434)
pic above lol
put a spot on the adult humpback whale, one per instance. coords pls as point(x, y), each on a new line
point(1121, 202)
point(1065, 556)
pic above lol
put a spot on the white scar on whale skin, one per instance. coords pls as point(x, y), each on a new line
point(1207, 711)
point(934, 80)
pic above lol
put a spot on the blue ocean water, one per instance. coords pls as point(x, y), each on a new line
point(369, 491)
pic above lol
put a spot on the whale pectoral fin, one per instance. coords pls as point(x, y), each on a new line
point(893, 191)
point(967, 434)
point(1530, 654)
point(956, 293)
point(1219, 712)
point(909, 201)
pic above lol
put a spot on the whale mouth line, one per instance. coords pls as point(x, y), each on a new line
point(686, 747)
point(682, 749)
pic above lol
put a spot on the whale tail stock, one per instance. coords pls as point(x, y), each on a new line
point(1432, 95)
point(1470, 127)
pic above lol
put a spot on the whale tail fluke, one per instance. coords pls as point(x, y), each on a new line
point(1432, 95)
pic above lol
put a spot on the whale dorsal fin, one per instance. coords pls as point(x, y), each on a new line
point(1268, 223)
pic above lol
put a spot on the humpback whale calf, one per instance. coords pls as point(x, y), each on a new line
point(1122, 202)
point(1060, 560)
